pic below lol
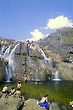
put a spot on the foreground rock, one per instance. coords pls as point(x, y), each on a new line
point(31, 104)
point(10, 103)
point(54, 106)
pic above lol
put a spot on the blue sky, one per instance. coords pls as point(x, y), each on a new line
point(20, 18)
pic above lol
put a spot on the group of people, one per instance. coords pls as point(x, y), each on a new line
point(15, 92)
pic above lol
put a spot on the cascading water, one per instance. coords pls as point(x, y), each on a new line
point(2, 51)
point(7, 68)
point(7, 52)
point(12, 53)
point(56, 76)
point(36, 76)
point(48, 61)
point(8, 74)
point(11, 63)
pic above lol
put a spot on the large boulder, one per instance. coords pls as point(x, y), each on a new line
point(31, 104)
point(10, 103)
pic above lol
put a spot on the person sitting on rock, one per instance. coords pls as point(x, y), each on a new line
point(12, 91)
point(17, 93)
point(71, 104)
point(5, 89)
point(44, 102)
point(19, 85)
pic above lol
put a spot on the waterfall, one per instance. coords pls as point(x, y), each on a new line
point(7, 52)
point(36, 76)
point(2, 51)
point(12, 53)
point(56, 76)
point(8, 74)
point(47, 60)
point(11, 63)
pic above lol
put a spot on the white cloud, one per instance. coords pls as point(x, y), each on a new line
point(59, 22)
point(37, 35)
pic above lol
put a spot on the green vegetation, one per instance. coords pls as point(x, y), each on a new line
point(69, 39)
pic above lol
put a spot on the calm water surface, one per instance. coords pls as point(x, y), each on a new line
point(58, 91)
point(61, 92)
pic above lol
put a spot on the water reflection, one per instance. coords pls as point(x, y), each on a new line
point(56, 84)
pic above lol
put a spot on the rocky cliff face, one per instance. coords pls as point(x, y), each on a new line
point(59, 41)
point(2, 68)
point(32, 61)
point(59, 45)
